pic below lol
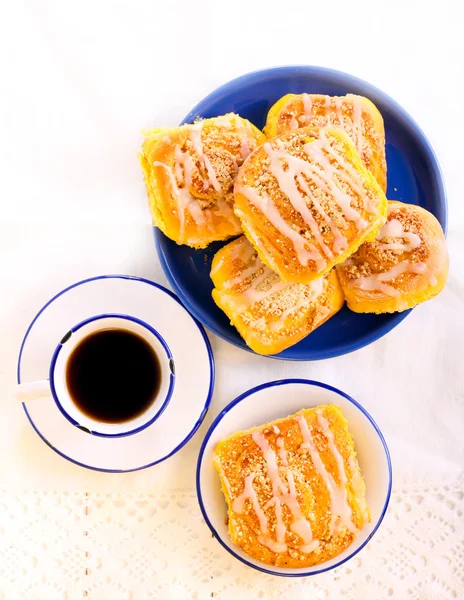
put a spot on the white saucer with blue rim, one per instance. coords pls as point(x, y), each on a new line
point(144, 305)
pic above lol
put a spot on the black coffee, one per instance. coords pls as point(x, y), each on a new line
point(113, 375)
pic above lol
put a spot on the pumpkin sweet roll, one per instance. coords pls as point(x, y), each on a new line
point(270, 314)
point(356, 115)
point(307, 202)
point(189, 175)
point(294, 490)
point(406, 264)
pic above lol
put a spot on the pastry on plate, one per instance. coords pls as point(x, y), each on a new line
point(306, 202)
point(189, 175)
point(269, 314)
point(406, 264)
point(294, 490)
point(356, 115)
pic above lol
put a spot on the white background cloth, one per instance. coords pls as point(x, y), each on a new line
point(78, 81)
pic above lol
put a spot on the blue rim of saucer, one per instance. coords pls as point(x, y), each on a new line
point(243, 397)
point(208, 398)
point(160, 339)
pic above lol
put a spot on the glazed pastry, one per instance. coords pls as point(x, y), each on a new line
point(406, 264)
point(307, 203)
point(269, 314)
point(294, 491)
point(356, 115)
point(189, 175)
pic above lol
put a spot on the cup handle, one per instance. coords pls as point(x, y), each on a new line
point(33, 390)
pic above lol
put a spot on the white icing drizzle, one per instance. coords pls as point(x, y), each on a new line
point(258, 324)
point(184, 200)
point(300, 526)
point(340, 242)
point(242, 133)
point(395, 229)
point(327, 184)
point(307, 107)
point(249, 493)
point(278, 486)
point(338, 106)
point(293, 123)
point(226, 121)
point(281, 451)
point(280, 494)
point(308, 548)
point(357, 121)
point(244, 274)
point(315, 150)
point(328, 172)
point(195, 137)
point(268, 208)
point(287, 184)
point(315, 288)
point(243, 250)
point(225, 210)
point(256, 240)
point(327, 109)
point(271, 544)
point(278, 324)
point(324, 425)
point(275, 429)
point(376, 282)
point(358, 488)
point(252, 294)
point(339, 507)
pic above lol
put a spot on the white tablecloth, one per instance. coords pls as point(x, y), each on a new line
point(78, 81)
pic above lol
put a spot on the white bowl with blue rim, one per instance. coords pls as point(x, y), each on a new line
point(279, 399)
point(179, 341)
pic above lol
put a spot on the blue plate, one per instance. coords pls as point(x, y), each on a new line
point(413, 176)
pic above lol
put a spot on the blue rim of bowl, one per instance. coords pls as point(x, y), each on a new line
point(401, 113)
point(243, 397)
point(149, 328)
point(208, 397)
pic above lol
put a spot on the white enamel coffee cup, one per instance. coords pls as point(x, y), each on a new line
point(56, 385)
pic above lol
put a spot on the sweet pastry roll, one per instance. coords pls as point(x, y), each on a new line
point(189, 175)
point(356, 115)
point(269, 314)
point(306, 203)
point(294, 490)
point(406, 264)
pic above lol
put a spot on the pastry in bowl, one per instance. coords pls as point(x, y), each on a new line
point(406, 264)
point(356, 115)
point(307, 202)
point(189, 175)
point(295, 494)
point(269, 314)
